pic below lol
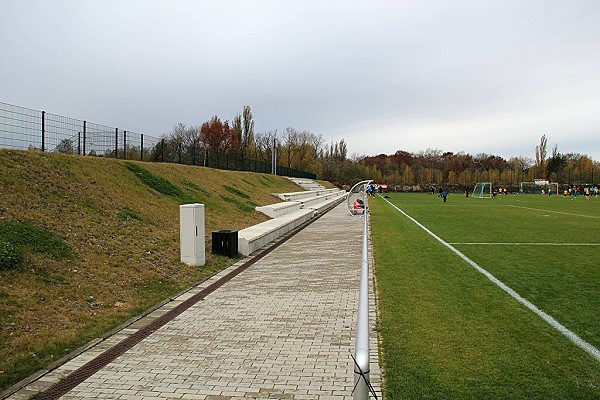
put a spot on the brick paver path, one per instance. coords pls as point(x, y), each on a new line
point(282, 329)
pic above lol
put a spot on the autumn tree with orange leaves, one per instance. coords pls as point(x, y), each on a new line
point(218, 136)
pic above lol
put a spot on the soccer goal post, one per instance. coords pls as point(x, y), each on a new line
point(483, 190)
point(538, 187)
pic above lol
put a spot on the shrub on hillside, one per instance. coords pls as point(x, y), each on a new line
point(10, 256)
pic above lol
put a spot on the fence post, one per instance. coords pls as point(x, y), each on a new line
point(141, 147)
point(124, 145)
point(84, 135)
point(43, 130)
point(79, 143)
point(116, 142)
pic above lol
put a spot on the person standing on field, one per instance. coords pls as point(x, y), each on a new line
point(444, 194)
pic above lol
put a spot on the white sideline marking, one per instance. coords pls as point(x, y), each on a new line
point(527, 244)
point(555, 212)
point(594, 352)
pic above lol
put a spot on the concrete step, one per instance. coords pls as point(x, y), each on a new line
point(255, 237)
point(279, 209)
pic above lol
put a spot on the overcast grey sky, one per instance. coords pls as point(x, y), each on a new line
point(474, 76)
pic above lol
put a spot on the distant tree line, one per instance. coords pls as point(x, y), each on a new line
point(301, 150)
point(307, 151)
point(434, 167)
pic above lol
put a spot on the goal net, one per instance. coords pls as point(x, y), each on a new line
point(483, 189)
point(538, 187)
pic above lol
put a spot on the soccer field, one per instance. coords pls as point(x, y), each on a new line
point(488, 298)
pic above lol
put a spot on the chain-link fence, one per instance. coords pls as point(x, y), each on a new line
point(25, 129)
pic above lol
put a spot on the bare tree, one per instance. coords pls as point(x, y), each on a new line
point(317, 142)
point(178, 140)
point(264, 145)
point(291, 145)
point(193, 143)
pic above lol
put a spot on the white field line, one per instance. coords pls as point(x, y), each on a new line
point(524, 244)
point(594, 352)
point(555, 212)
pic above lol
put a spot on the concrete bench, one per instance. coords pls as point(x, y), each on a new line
point(320, 199)
point(297, 208)
point(255, 237)
point(327, 204)
point(295, 196)
point(279, 209)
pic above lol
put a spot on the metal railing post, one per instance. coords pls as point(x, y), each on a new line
point(361, 352)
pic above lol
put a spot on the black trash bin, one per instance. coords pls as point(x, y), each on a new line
point(225, 242)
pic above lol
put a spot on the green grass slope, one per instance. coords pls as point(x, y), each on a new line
point(97, 242)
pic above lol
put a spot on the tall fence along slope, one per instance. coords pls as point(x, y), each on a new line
point(115, 227)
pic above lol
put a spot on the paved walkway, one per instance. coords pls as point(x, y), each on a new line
point(281, 329)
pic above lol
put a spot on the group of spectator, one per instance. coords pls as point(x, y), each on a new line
point(587, 190)
point(376, 188)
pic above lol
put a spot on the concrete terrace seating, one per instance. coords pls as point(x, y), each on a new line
point(298, 196)
point(255, 237)
point(280, 209)
point(297, 208)
point(312, 201)
point(307, 184)
point(325, 203)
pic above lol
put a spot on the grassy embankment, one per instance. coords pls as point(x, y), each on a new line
point(449, 332)
point(98, 243)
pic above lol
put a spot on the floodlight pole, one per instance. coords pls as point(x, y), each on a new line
point(274, 157)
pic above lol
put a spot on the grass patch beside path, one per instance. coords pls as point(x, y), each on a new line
point(96, 236)
point(447, 331)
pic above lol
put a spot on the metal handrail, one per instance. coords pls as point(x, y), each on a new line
point(362, 385)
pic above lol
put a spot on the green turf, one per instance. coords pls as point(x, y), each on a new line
point(449, 332)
